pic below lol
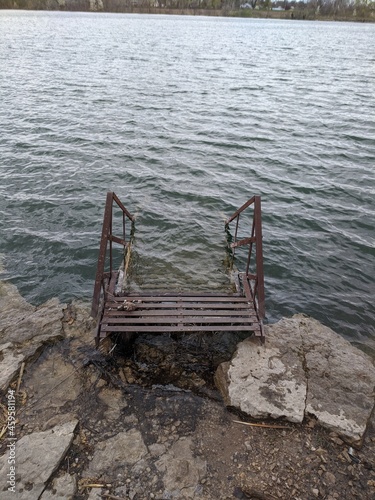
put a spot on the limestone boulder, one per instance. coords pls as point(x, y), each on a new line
point(303, 369)
point(265, 381)
point(341, 381)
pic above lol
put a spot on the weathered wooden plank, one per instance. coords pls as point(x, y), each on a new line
point(186, 305)
point(179, 328)
point(181, 312)
point(180, 298)
point(177, 319)
point(169, 293)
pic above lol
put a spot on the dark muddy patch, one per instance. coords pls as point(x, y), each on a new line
point(185, 361)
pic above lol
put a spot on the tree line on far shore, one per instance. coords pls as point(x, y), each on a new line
point(360, 10)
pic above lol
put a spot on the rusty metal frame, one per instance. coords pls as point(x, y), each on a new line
point(118, 310)
point(105, 280)
point(253, 283)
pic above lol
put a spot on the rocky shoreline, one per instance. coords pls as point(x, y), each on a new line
point(147, 421)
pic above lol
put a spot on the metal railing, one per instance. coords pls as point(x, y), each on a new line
point(104, 277)
point(253, 282)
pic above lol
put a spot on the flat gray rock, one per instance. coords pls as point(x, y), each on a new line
point(182, 471)
point(114, 402)
point(24, 329)
point(10, 363)
point(303, 369)
point(51, 384)
point(26, 326)
point(11, 302)
point(62, 488)
point(38, 455)
point(126, 448)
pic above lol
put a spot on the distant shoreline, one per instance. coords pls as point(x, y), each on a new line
point(94, 6)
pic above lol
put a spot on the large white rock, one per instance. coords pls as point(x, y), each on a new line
point(304, 368)
point(38, 455)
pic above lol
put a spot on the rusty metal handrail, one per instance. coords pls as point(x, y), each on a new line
point(108, 237)
point(256, 292)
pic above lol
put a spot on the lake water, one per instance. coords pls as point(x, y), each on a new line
point(185, 118)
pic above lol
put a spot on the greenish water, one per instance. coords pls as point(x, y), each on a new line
point(185, 118)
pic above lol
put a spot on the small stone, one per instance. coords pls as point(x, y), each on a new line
point(330, 478)
point(311, 424)
point(337, 440)
point(315, 492)
point(248, 446)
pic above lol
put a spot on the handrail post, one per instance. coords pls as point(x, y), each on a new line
point(107, 236)
point(107, 222)
point(257, 290)
point(259, 256)
point(235, 234)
